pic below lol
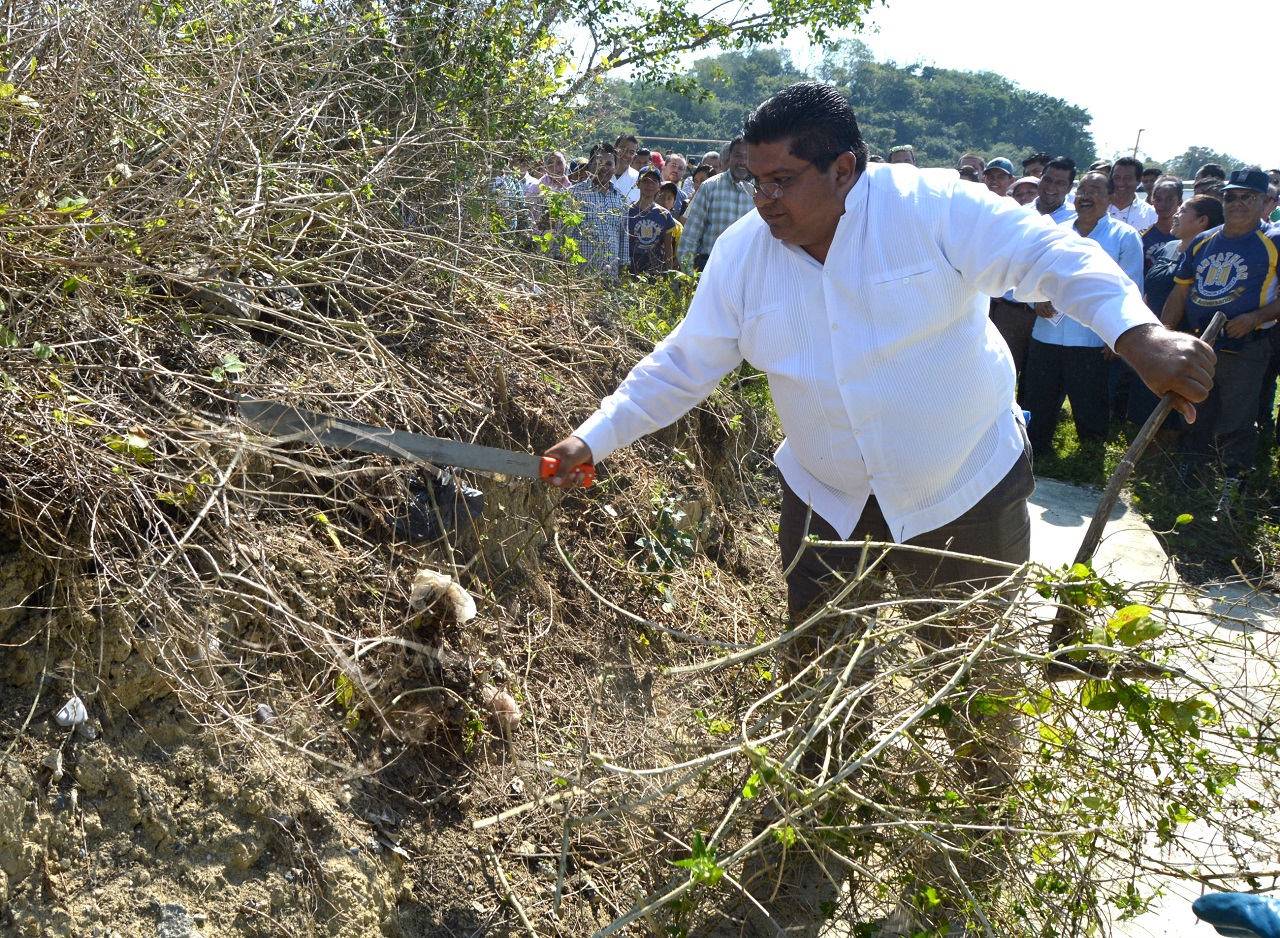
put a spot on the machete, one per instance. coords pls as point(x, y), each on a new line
point(308, 426)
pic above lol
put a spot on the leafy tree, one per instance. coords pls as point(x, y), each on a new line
point(1186, 164)
point(941, 112)
point(650, 38)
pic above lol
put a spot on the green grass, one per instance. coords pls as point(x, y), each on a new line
point(1245, 541)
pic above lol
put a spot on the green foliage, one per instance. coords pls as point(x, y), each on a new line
point(669, 542)
point(702, 865)
point(650, 38)
point(941, 112)
point(133, 444)
point(231, 366)
point(1185, 164)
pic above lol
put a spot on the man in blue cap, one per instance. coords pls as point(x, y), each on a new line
point(998, 175)
point(1232, 269)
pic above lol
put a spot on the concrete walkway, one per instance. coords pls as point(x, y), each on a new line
point(1131, 552)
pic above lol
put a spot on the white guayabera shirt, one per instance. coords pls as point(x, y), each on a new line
point(886, 371)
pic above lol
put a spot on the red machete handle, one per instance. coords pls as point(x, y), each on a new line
point(551, 465)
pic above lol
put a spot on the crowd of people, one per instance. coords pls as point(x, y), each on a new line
point(1192, 248)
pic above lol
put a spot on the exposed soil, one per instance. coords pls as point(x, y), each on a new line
point(221, 789)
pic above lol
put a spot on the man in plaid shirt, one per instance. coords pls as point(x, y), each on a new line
point(602, 233)
point(720, 202)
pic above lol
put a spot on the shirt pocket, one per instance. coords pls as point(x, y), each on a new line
point(907, 298)
point(772, 338)
point(905, 277)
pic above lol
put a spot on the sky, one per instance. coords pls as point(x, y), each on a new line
point(1168, 80)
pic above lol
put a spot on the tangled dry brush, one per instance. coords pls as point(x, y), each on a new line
point(292, 203)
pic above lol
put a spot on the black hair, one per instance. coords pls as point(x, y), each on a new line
point(1206, 205)
point(1041, 157)
point(816, 118)
point(1111, 186)
point(702, 168)
point(1210, 186)
point(645, 152)
point(1212, 171)
point(1062, 162)
point(1132, 163)
point(1153, 169)
point(1166, 179)
point(601, 147)
point(621, 137)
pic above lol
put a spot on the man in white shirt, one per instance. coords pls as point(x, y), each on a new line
point(894, 389)
point(1126, 207)
point(625, 178)
point(861, 291)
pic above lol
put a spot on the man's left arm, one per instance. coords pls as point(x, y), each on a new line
point(1239, 326)
point(1130, 257)
point(995, 247)
point(1170, 361)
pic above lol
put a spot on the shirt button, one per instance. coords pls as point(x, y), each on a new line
point(834, 327)
point(906, 279)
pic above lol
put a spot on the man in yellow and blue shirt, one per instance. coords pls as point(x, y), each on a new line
point(1231, 269)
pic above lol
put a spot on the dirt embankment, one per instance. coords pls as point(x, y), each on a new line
point(277, 741)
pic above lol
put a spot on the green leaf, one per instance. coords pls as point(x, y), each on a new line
point(785, 836)
point(132, 444)
point(702, 865)
point(1050, 734)
point(1133, 625)
point(344, 691)
point(1183, 519)
point(1099, 695)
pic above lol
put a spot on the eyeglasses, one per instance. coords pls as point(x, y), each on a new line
point(776, 190)
point(1238, 195)
point(772, 190)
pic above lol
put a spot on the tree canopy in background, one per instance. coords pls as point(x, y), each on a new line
point(649, 38)
point(941, 112)
point(1185, 164)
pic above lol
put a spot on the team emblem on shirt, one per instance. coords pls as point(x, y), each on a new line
point(1220, 278)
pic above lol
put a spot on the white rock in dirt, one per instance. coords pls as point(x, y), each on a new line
point(175, 922)
point(53, 762)
point(502, 705)
point(429, 586)
point(73, 713)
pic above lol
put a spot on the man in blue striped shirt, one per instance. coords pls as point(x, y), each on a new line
point(602, 232)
